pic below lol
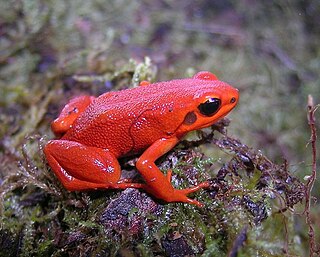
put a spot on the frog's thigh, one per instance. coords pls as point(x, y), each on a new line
point(81, 167)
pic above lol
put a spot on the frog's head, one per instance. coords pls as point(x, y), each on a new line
point(211, 100)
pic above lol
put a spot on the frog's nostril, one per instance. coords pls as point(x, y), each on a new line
point(233, 100)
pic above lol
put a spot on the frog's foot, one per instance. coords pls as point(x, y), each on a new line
point(170, 194)
point(180, 195)
point(191, 189)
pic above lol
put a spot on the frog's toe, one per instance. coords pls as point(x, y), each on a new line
point(189, 190)
point(181, 196)
point(195, 202)
point(169, 175)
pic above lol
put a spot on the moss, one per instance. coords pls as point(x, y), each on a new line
point(134, 222)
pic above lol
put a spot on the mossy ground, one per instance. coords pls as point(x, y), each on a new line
point(54, 50)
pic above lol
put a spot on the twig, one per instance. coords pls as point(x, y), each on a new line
point(239, 242)
point(311, 179)
point(215, 29)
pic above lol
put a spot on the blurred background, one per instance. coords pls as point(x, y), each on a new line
point(269, 50)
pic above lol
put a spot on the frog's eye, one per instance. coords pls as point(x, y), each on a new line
point(210, 107)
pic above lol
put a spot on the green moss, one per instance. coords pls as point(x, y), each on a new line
point(207, 230)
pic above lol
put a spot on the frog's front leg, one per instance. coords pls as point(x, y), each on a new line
point(81, 167)
point(157, 183)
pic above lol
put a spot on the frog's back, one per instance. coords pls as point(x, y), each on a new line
point(130, 120)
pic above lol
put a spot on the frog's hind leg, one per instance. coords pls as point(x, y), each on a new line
point(80, 167)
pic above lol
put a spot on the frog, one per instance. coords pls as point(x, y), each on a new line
point(93, 133)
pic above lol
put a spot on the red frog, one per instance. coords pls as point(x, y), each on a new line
point(148, 120)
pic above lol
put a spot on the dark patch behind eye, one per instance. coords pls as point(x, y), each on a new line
point(190, 118)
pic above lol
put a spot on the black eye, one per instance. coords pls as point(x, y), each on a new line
point(233, 100)
point(210, 107)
